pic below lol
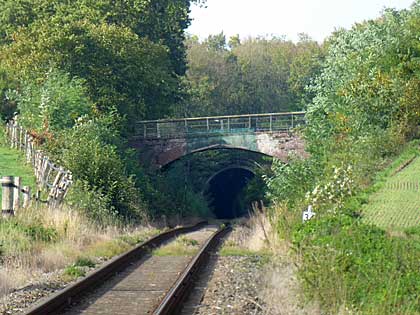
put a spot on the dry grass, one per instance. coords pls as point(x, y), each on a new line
point(42, 240)
point(281, 292)
point(254, 235)
point(279, 289)
point(182, 246)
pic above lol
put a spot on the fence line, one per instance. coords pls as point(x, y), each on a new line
point(49, 177)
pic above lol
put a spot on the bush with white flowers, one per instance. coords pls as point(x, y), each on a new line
point(333, 193)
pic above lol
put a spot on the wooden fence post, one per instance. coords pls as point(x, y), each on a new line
point(38, 197)
point(7, 196)
point(53, 192)
point(17, 182)
point(12, 134)
point(26, 190)
point(43, 168)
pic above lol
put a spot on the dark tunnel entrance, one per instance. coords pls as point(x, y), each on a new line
point(224, 191)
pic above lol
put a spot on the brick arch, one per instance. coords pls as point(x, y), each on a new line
point(230, 167)
point(161, 152)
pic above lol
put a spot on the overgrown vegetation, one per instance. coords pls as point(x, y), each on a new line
point(257, 75)
point(80, 74)
point(365, 110)
point(39, 240)
point(182, 246)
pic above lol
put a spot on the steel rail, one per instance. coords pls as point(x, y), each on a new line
point(172, 303)
point(64, 298)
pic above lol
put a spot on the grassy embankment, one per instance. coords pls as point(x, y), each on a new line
point(396, 203)
point(12, 163)
point(367, 266)
point(39, 240)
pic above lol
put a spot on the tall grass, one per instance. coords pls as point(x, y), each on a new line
point(41, 240)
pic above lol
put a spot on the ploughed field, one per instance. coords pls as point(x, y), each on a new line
point(397, 204)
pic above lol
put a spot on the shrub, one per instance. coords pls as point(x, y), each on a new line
point(84, 262)
point(52, 105)
point(291, 181)
point(345, 262)
point(40, 233)
point(74, 272)
point(97, 165)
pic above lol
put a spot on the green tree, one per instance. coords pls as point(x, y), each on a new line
point(251, 76)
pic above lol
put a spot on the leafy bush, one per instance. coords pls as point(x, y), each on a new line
point(332, 194)
point(366, 107)
point(345, 262)
point(74, 272)
point(7, 105)
point(290, 182)
point(41, 233)
point(99, 169)
point(84, 262)
point(52, 105)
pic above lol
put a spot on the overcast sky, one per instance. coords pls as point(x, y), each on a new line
point(318, 18)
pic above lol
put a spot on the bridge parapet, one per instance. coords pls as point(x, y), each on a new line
point(218, 125)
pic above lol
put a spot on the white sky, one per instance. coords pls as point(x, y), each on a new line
point(318, 18)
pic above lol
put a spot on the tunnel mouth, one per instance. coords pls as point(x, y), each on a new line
point(225, 192)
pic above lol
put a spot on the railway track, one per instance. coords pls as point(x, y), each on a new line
point(139, 282)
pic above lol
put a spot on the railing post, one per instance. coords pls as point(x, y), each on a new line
point(17, 183)
point(249, 122)
point(157, 130)
point(208, 126)
point(7, 196)
point(144, 131)
point(228, 124)
point(271, 123)
point(293, 121)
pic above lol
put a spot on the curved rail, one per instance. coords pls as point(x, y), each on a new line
point(172, 303)
point(63, 298)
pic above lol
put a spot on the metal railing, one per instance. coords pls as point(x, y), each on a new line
point(217, 125)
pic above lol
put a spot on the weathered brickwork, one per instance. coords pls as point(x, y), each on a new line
point(160, 152)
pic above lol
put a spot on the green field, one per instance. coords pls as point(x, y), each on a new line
point(397, 204)
point(12, 163)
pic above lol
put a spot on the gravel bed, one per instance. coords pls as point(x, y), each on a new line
point(229, 284)
point(39, 287)
point(230, 288)
point(22, 298)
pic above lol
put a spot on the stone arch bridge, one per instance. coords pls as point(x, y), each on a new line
point(162, 142)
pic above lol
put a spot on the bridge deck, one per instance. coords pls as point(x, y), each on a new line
point(209, 126)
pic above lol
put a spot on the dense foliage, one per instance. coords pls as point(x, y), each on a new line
point(128, 59)
point(256, 75)
point(365, 109)
point(80, 74)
